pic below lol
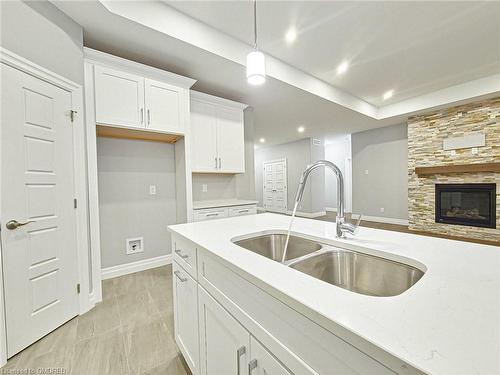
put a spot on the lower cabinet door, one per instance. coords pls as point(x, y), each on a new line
point(186, 316)
point(262, 362)
point(224, 343)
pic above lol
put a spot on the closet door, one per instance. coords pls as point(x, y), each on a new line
point(230, 140)
point(119, 98)
point(164, 104)
point(204, 138)
point(224, 343)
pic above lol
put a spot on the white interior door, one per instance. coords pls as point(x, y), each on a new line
point(204, 137)
point(119, 98)
point(230, 140)
point(163, 106)
point(39, 258)
point(275, 186)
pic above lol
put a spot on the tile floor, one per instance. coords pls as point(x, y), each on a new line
point(129, 332)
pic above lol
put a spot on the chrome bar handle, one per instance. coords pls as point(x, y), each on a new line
point(149, 118)
point(183, 256)
point(178, 274)
point(252, 366)
point(220, 164)
point(242, 350)
point(142, 115)
point(216, 162)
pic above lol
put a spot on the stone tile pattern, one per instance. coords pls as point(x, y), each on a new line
point(131, 332)
point(426, 133)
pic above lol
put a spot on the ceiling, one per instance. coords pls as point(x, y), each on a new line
point(411, 47)
point(281, 105)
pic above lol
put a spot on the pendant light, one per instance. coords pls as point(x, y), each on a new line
point(256, 61)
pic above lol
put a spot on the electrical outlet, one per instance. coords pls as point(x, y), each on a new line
point(366, 171)
point(382, 209)
point(152, 189)
point(204, 188)
point(474, 151)
point(134, 245)
point(453, 152)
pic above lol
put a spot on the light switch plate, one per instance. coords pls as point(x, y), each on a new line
point(204, 188)
point(152, 189)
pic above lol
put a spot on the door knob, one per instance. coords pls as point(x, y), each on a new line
point(14, 224)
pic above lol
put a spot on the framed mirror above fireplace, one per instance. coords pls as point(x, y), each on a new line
point(466, 204)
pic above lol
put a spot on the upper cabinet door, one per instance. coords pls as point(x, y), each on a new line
point(119, 98)
point(164, 107)
point(203, 137)
point(230, 140)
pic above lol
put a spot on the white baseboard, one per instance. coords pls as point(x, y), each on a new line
point(309, 215)
point(380, 219)
point(140, 265)
point(331, 209)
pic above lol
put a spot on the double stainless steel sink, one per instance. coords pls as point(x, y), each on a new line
point(355, 271)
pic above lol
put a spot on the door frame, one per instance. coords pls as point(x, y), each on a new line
point(264, 181)
point(84, 255)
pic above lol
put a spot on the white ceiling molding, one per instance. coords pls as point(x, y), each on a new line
point(165, 19)
point(169, 21)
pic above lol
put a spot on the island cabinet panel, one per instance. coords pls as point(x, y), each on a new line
point(119, 98)
point(185, 293)
point(224, 343)
point(185, 254)
point(299, 343)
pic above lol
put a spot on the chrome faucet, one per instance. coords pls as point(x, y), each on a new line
point(342, 226)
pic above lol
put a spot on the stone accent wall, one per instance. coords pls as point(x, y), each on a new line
point(425, 149)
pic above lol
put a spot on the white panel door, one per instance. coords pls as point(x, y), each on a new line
point(224, 343)
point(230, 140)
point(275, 186)
point(186, 315)
point(262, 362)
point(39, 258)
point(203, 137)
point(164, 107)
point(119, 98)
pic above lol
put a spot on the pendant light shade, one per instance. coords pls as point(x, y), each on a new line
point(256, 68)
point(256, 61)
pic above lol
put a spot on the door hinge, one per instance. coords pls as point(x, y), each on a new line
point(75, 203)
point(72, 114)
point(78, 288)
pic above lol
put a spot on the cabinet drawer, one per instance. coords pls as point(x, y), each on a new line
point(210, 214)
point(184, 253)
point(296, 340)
point(242, 210)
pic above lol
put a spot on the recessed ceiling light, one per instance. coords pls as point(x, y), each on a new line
point(262, 140)
point(388, 94)
point(291, 35)
point(342, 68)
point(301, 129)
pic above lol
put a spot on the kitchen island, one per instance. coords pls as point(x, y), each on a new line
point(447, 323)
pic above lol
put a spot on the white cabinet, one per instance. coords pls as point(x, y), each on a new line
point(204, 136)
point(222, 212)
point(123, 99)
point(186, 315)
point(217, 130)
point(262, 362)
point(164, 106)
point(224, 343)
point(119, 97)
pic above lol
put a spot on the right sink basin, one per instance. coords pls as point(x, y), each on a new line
point(360, 273)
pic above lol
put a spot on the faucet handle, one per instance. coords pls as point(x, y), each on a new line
point(351, 228)
point(359, 220)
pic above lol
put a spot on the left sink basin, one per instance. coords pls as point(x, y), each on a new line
point(272, 246)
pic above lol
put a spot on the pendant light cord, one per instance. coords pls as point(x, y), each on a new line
point(255, 24)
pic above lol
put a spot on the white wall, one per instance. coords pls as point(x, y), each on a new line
point(40, 32)
point(380, 172)
point(298, 156)
point(126, 169)
point(337, 150)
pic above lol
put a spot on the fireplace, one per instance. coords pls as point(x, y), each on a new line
point(466, 204)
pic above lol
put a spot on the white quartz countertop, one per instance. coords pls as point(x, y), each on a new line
point(198, 205)
point(447, 323)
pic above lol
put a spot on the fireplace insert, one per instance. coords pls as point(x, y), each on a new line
point(466, 204)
